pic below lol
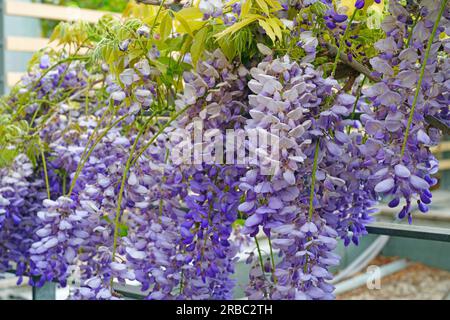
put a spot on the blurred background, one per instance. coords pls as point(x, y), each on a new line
point(26, 26)
point(395, 261)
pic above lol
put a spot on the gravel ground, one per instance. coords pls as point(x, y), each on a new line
point(416, 282)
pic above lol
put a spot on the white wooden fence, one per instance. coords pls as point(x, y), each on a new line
point(41, 11)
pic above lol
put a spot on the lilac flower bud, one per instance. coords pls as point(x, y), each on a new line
point(45, 62)
point(330, 24)
point(422, 207)
point(359, 4)
point(143, 30)
point(394, 203)
point(123, 46)
point(340, 17)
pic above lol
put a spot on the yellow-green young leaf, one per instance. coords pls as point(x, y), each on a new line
point(183, 23)
point(246, 8)
point(275, 5)
point(165, 28)
point(123, 229)
point(263, 5)
point(198, 44)
point(239, 25)
point(190, 13)
point(55, 34)
point(133, 54)
point(231, 2)
point(273, 22)
point(191, 19)
point(160, 66)
point(227, 48)
point(186, 46)
point(268, 29)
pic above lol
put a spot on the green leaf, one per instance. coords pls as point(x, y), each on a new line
point(183, 23)
point(7, 156)
point(175, 44)
point(264, 7)
point(274, 23)
point(190, 13)
point(228, 48)
point(238, 222)
point(123, 230)
point(165, 27)
point(239, 25)
point(275, 5)
point(198, 45)
point(106, 218)
point(246, 8)
point(268, 29)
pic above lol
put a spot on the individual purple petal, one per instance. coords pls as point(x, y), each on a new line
point(315, 293)
point(402, 171)
point(333, 148)
point(418, 182)
point(381, 66)
point(275, 203)
point(282, 243)
point(253, 220)
point(246, 206)
point(309, 227)
point(385, 185)
point(423, 137)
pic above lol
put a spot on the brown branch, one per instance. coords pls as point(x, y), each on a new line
point(332, 51)
point(350, 82)
point(158, 2)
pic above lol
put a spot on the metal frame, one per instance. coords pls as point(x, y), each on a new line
point(46, 292)
point(424, 232)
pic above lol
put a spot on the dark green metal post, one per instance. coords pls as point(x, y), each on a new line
point(46, 292)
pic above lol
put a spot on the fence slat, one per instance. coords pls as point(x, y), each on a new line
point(13, 77)
point(444, 164)
point(444, 146)
point(27, 44)
point(53, 12)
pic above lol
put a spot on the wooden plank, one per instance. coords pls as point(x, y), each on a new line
point(442, 147)
point(27, 44)
point(444, 164)
point(53, 12)
point(13, 77)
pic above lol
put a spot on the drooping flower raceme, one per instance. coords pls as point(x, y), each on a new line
point(405, 163)
point(290, 98)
